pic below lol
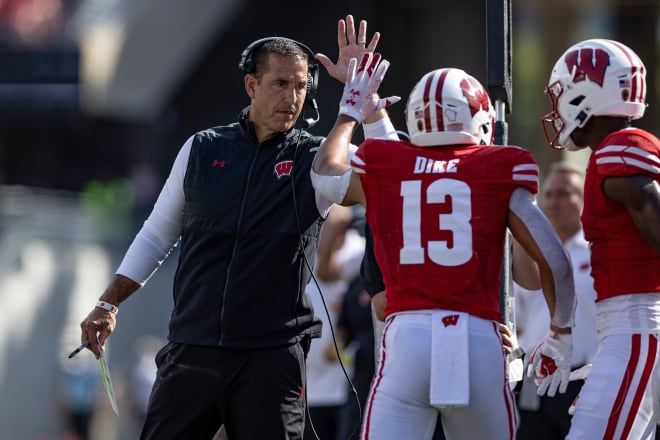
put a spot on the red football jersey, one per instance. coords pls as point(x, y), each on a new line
point(622, 261)
point(439, 217)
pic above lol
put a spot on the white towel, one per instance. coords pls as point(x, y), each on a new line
point(515, 367)
point(450, 366)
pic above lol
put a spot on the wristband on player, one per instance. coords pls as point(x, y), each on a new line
point(107, 306)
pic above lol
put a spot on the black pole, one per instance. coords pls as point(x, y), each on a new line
point(499, 56)
point(499, 90)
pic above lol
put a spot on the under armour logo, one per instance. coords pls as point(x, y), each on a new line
point(217, 163)
point(351, 100)
point(450, 320)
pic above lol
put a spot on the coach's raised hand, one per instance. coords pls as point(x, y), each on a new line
point(350, 45)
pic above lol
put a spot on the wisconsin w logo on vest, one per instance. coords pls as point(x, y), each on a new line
point(283, 168)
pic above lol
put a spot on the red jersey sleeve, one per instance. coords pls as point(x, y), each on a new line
point(628, 152)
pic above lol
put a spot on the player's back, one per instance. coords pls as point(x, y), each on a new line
point(439, 217)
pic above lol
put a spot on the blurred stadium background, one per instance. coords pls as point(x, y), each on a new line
point(97, 96)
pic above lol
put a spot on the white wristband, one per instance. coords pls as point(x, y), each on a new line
point(107, 306)
point(381, 129)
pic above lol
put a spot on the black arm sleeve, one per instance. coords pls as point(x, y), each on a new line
point(369, 270)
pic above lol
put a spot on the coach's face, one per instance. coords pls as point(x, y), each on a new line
point(277, 95)
point(562, 202)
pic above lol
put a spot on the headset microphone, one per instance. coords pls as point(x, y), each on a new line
point(310, 122)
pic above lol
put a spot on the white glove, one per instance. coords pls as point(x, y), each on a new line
point(360, 98)
point(551, 363)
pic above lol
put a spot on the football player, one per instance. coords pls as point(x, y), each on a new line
point(596, 88)
point(439, 206)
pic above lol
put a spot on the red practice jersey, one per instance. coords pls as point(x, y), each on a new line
point(439, 218)
point(622, 261)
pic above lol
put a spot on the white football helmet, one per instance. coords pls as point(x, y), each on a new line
point(449, 107)
point(595, 77)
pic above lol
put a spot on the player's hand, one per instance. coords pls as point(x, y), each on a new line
point(360, 98)
point(507, 338)
point(350, 46)
point(96, 328)
point(379, 302)
point(550, 363)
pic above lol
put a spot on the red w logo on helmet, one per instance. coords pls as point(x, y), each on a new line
point(475, 94)
point(588, 63)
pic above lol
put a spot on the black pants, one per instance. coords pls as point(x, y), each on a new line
point(322, 423)
point(551, 421)
point(257, 394)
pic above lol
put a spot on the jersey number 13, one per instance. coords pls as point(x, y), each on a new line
point(457, 221)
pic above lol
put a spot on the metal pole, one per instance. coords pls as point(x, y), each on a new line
point(499, 89)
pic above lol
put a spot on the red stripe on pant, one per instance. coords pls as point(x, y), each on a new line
point(624, 389)
point(377, 377)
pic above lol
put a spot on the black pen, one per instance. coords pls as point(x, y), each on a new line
point(79, 349)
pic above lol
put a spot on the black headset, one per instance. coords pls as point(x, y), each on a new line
point(248, 65)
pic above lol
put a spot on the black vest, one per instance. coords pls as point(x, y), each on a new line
point(242, 269)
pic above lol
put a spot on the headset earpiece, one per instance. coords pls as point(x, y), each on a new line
point(248, 66)
point(312, 80)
